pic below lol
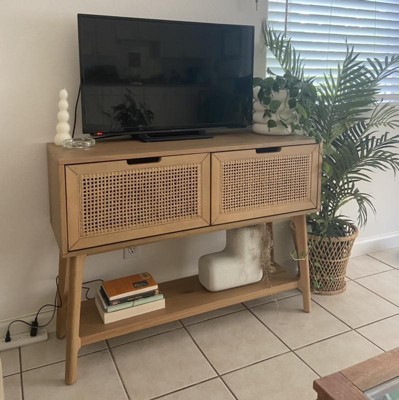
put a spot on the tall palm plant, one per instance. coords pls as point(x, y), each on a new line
point(346, 118)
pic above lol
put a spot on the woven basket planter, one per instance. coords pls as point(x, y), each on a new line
point(328, 259)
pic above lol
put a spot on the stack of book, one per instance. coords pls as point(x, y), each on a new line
point(128, 296)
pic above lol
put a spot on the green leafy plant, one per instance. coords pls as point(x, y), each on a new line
point(131, 113)
point(347, 117)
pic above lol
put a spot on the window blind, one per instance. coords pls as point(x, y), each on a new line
point(319, 29)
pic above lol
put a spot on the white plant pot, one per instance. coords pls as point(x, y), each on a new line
point(260, 122)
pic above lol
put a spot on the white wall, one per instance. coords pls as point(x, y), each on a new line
point(39, 56)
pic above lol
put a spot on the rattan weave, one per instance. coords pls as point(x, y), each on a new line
point(257, 183)
point(328, 259)
point(129, 199)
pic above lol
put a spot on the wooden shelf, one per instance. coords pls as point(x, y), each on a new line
point(184, 298)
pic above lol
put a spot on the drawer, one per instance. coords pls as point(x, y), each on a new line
point(264, 182)
point(115, 201)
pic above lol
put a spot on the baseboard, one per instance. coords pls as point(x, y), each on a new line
point(375, 244)
point(19, 327)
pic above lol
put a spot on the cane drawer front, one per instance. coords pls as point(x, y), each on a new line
point(115, 201)
point(264, 182)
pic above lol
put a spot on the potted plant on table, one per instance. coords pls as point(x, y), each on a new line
point(355, 129)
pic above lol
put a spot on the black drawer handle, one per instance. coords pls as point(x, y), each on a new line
point(268, 150)
point(145, 160)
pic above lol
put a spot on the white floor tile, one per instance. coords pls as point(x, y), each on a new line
point(51, 351)
point(161, 364)
point(390, 257)
point(281, 378)
point(235, 341)
point(12, 387)
point(385, 284)
point(214, 389)
point(97, 379)
point(384, 333)
point(357, 306)
point(359, 267)
point(10, 362)
point(212, 314)
point(337, 353)
point(156, 330)
point(296, 328)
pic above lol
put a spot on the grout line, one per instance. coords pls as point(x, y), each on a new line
point(375, 344)
point(217, 373)
point(382, 262)
point(374, 274)
point(186, 387)
point(117, 370)
point(62, 361)
point(211, 318)
point(298, 356)
point(199, 348)
point(389, 301)
point(143, 338)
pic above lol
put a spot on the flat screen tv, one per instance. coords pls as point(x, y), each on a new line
point(161, 77)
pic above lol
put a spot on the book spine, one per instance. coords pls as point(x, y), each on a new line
point(127, 298)
point(134, 303)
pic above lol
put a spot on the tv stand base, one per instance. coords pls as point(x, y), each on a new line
point(167, 137)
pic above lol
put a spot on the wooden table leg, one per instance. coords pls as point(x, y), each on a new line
point(73, 318)
point(63, 293)
point(301, 239)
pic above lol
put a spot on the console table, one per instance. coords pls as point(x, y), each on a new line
point(126, 193)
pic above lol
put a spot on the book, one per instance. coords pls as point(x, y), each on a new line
point(134, 303)
point(109, 317)
point(129, 285)
point(127, 298)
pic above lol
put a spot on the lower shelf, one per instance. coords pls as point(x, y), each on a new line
point(184, 298)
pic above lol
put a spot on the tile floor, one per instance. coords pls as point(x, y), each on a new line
point(264, 349)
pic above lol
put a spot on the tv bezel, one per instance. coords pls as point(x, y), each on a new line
point(168, 129)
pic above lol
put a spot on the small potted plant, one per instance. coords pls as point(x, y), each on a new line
point(282, 103)
point(356, 129)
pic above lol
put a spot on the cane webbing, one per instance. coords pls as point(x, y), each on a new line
point(256, 183)
point(129, 199)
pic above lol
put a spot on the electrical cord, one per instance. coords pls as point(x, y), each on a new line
point(88, 288)
point(75, 117)
point(35, 324)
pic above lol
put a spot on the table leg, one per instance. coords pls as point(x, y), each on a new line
point(63, 293)
point(301, 239)
point(73, 318)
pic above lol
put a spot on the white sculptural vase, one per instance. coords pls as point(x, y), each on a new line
point(62, 127)
point(240, 263)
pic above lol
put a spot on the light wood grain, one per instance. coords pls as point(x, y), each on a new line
point(126, 149)
point(336, 387)
point(303, 259)
point(73, 341)
point(62, 303)
point(374, 371)
point(266, 195)
point(184, 298)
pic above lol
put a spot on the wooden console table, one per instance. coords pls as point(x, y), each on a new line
point(352, 382)
point(126, 193)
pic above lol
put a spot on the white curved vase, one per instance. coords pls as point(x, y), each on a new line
point(240, 263)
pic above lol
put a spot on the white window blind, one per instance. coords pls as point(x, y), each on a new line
point(319, 28)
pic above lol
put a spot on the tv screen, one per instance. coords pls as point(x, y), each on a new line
point(141, 75)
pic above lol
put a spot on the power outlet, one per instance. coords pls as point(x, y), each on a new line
point(130, 252)
point(23, 339)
